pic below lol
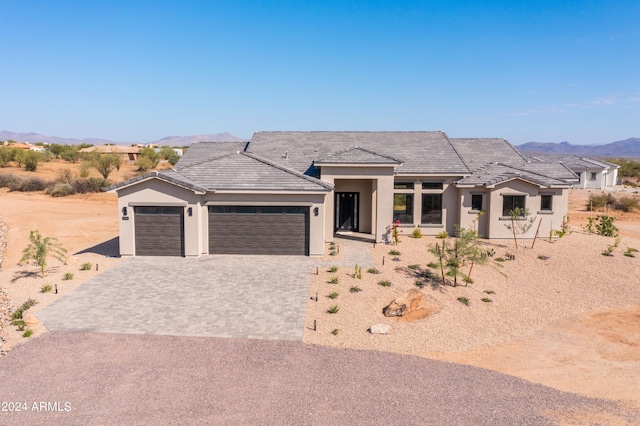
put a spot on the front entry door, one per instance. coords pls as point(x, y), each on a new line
point(347, 207)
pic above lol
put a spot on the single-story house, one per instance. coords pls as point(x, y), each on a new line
point(127, 153)
point(593, 173)
point(290, 192)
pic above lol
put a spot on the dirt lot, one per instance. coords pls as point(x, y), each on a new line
point(594, 350)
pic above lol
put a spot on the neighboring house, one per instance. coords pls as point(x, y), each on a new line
point(127, 153)
point(593, 173)
point(25, 146)
point(290, 192)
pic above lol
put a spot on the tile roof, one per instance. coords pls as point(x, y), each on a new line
point(205, 151)
point(243, 171)
point(494, 174)
point(358, 156)
point(478, 152)
point(419, 152)
point(574, 162)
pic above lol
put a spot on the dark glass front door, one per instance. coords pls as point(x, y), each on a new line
point(347, 207)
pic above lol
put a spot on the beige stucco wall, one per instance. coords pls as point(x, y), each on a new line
point(469, 217)
point(549, 220)
point(158, 193)
point(381, 196)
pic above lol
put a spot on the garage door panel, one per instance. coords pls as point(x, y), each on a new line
point(258, 233)
point(159, 234)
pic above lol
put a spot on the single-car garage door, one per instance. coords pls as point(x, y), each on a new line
point(159, 231)
point(259, 230)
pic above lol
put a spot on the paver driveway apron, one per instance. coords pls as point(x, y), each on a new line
point(259, 297)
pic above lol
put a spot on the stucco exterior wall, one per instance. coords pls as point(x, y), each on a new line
point(470, 217)
point(550, 219)
point(154, 192)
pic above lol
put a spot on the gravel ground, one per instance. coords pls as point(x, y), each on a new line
point(574, 279)
point(126, 379)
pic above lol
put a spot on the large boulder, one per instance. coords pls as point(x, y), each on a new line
point(404, 304)
point(409, 307)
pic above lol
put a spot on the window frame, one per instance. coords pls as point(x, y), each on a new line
point(542, 202)
point(440, 210)
point(408, 208)
point(513, 204)
point(473, 205)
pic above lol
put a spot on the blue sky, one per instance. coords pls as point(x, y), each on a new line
point(130, 71)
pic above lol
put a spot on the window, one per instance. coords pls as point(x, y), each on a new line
point(432, 209)
point(403, 185)
point(593, 175)
point(546, 202)
point(511, 202)
point(403, 208)
point(431, 185)
point(476, 202)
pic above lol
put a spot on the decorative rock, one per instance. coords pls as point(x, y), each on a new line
point(406, 303)
point(380, 329)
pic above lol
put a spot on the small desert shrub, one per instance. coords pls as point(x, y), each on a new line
point(86, 266)
point(463, 300)
point(426, 274)
point(334, 280)
point(626, 204)
point(45, 288)
point(417, 233)
point(20, 325)
point(373, 271)
point(433, 265)
point(442, 235)
point(499, 259)
point(355, 289)
point(419, 284)
point(394, 253)
point(27, 333)
point(60, 190)
point(333, 269)
point(333, 295)
point(609, 251)
point(486, 300)
point(68, 276)
point(30, 184)
point(7, 180)
point(490, 292)
point(630, 252)
point(86, 185)
point(543, 257)
point(333, 309)
point(335, 331)
point(333, 253)
point(29, 303)
point(385, 283)
point(414, 267)
point(598, 201)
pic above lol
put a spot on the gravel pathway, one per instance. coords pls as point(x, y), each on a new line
point(140, 379)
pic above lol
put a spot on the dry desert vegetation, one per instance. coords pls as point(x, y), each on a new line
point(560, 314)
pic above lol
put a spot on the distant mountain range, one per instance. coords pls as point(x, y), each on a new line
point(626, 148)
point(169, 140)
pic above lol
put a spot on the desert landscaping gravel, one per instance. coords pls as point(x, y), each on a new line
point(528, 294)
point(136, 379)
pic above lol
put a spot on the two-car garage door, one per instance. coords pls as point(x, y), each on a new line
point(279, 230)
point(282, 230)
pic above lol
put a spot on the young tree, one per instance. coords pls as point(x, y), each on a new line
point(104, 163)
point(40, 248)
point(520, 224)
point(454, 257)
point(169, 154)
point(31, 160)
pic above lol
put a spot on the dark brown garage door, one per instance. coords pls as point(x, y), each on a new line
point(159, 231)
point(259, 230)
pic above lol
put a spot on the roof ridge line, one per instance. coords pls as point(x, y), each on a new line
point(457, 153)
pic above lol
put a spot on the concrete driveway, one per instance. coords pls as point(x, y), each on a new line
point(254, 297)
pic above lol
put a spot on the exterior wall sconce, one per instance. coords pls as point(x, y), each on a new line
point(315, 211)
point(190, 211)
point(124, 211)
